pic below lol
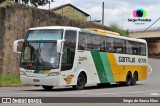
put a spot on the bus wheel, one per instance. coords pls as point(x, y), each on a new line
point(135, 78)
point(47, 88)
point(128, 79)
point(81, 81)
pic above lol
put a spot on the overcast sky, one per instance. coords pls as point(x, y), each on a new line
point(114, 10)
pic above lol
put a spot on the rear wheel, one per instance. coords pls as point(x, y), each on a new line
point(128, 79)
point(134, 79)
point(81, 81)
point(47, 88)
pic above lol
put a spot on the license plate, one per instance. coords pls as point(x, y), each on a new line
point(36, 80)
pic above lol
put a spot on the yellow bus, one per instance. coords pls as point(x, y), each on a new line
point(69, 56)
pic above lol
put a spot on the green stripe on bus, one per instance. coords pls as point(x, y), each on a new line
point(107, 67)
point(99, 67)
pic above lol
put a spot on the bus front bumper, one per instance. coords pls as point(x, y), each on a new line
point(50, 81)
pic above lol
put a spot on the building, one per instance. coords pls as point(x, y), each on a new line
point(71, 11)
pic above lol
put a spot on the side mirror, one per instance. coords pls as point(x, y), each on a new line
point(15, 45)
point(59, 45)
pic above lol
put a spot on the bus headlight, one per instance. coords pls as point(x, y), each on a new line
point(53, 74)
point(23, 73)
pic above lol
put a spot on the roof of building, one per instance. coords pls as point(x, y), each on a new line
point(71, 6)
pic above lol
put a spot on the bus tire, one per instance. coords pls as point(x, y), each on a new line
point(128, 79)
point(135, 78)
point(81, 81)
point(47, 88)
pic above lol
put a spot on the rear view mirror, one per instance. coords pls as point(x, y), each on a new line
point(59, 45)
point(15, 45)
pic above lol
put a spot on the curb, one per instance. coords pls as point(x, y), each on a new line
point(15, 85)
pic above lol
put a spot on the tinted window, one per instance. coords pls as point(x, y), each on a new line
point(109, 44)
point(98, 43)
point(92, 42)
point(119, 46)
point(84, 41)
point(129, 46)
point(142, 49)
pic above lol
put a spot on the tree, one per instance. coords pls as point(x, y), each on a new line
point(5, 3)
point(37, 3)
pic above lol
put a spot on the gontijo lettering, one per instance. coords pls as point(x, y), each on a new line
point(127, 59)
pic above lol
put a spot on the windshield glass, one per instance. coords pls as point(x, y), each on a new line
point(40, 56)
point(55, 34)
point(40, 50)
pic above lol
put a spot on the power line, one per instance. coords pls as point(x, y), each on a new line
point(152, 25)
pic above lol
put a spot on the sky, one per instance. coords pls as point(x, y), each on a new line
point(117, 11)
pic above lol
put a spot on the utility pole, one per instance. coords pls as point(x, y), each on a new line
point(102, 13)
point(49, 2)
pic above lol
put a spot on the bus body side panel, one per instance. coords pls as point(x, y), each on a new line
point(120, 66)
point(103, 67)
point(86, 64)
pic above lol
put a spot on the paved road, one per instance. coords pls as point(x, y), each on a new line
point(147, 88)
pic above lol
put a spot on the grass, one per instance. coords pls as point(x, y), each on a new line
point(10, 80)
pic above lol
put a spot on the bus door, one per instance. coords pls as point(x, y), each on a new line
point(68, 50)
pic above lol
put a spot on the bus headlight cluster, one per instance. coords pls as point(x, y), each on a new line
point(53, 73)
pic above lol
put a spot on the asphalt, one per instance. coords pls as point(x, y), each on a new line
point(147, 88)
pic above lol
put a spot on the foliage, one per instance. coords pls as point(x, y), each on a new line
point(5, 3)
point(37, 3)
point(119, 30)
point(10, 79)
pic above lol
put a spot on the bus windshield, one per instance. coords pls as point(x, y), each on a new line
point(40, 50)
point(52, 34)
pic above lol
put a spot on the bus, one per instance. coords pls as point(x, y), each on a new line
point(68, 56)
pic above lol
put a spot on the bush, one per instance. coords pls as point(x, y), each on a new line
point(117, 29)
point(6, 3)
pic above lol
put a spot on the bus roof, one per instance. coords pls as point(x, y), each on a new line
point(55, 27)
point(90, 30)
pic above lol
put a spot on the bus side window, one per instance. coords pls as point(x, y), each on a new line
point(82, 43)
point(142, 49)
point(109, 44)
point(129, 46)
point(96, 43)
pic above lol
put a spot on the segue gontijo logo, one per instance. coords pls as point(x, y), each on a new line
point(139, 13)
point(139, 16)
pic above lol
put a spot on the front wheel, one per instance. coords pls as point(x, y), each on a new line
point(47, 88)
point(81, 81)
